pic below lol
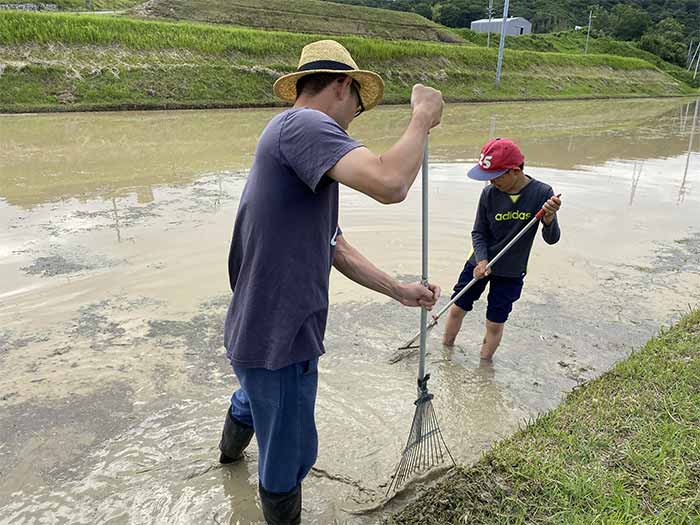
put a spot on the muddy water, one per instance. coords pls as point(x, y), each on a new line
point(113, 289)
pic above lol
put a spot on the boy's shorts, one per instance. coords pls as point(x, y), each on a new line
point(503, 292)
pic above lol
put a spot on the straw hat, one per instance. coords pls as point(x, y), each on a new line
point(328, 56)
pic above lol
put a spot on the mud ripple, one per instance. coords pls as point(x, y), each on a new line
point(681, 256)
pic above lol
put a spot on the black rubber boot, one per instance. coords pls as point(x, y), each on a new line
point(234, 439)
point(281, 509)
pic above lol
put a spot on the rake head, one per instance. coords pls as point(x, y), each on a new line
point(425, 448)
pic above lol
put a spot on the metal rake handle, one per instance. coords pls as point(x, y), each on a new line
point(423, 334)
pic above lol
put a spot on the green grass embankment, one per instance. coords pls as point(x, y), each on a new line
point(80, 5)
point(574, 42)
point(84, 62)
point(304, 16)
point(622, 449)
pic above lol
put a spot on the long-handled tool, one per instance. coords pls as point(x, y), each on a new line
point(425, 447)
point(493, 261)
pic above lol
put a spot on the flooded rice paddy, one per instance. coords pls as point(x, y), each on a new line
point(114, 232)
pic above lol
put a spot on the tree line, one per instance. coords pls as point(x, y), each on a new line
point(663, 27)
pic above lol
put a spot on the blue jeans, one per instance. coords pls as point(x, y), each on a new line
point(279, 405)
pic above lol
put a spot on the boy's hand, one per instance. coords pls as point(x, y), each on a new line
point(551, 207)
point(415, 294)
point(481, 270)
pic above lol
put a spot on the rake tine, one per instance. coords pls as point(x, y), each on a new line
point(430, 457)
point(401, 475)
point(433, 446)
point(446, 449)
point(426, 447)
point(403, 466)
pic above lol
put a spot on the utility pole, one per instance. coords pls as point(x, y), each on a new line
point(690, 53)
point(488, 34)
point(502, 45)
point(696, 67)
point(588, 35)
point(692, 60)
point(492, 135)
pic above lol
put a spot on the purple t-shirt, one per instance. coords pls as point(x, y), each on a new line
point(284, 242)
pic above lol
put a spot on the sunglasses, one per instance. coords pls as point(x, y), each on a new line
point(356, 86)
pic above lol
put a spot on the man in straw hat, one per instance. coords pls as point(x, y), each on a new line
point(286, 238)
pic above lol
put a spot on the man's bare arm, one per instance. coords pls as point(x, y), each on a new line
point(358, 268)
point(388, 177)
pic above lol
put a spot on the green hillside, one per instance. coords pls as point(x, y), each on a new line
point(553, 15)
point(85, 62)
point(303, 16)
point(665, 28)
point(80, 5)
point(574, 42)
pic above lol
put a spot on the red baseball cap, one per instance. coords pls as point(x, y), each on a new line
point(497, 157)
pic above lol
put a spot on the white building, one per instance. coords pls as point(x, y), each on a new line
point(515, 25)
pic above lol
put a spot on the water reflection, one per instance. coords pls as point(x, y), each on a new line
point(636, 175)
point(116, 219)
point(684, 115)
point(684, 188)
point(49, 158)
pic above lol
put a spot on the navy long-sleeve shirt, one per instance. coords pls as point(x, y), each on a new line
point(500, 216)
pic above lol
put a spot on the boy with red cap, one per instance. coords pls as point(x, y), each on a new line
point(506, 205)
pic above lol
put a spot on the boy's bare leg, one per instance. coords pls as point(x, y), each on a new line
point(494, 333)
point(455, 315)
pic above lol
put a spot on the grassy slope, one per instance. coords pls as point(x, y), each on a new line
point(60, 61)
point(304, 16)
point(79, 5)
point(574, 42)
point(623, 449)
